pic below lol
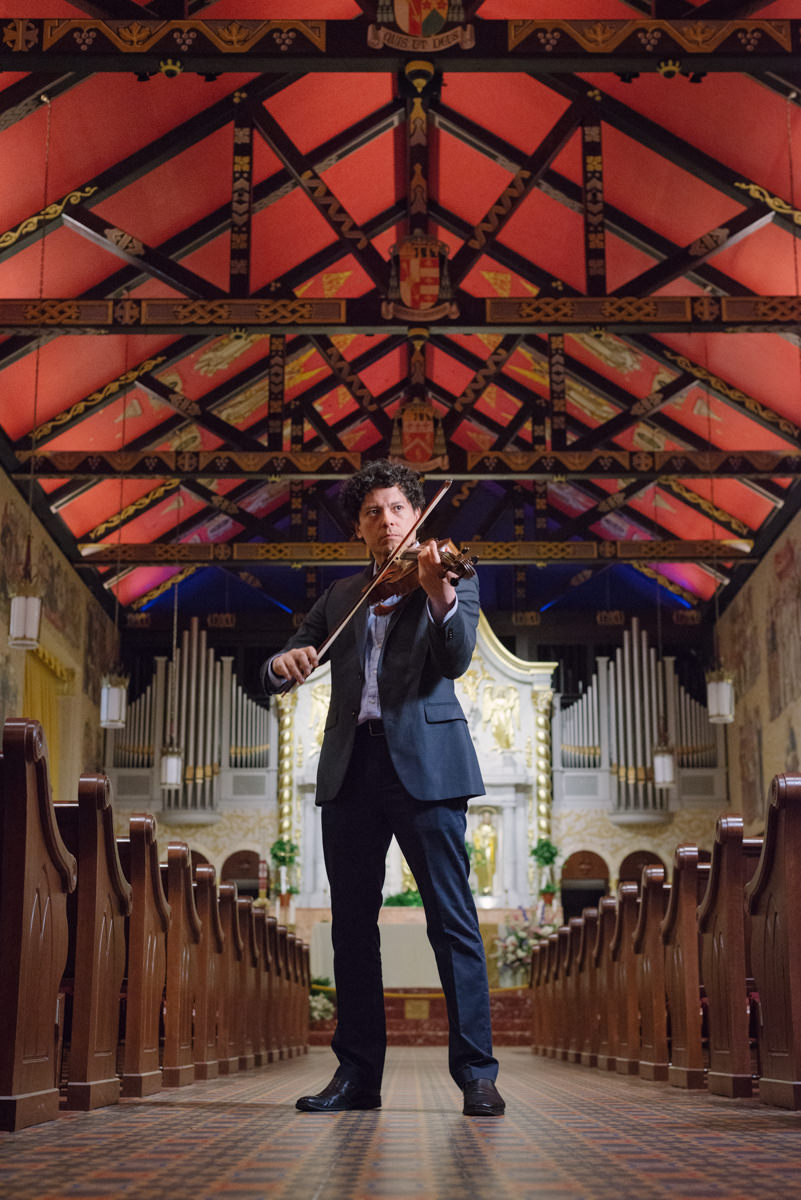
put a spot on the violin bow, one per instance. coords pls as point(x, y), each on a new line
point(409, 535)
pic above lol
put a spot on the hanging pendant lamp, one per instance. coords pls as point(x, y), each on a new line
point(171, 763)
point(26, 609)
point(113, 700)
point(720, 696)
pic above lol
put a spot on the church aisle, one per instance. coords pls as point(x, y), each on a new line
point(569, 1134)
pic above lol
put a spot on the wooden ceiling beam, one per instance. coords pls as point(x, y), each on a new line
point(525, 180)
point(127, 246)
point(132, 168)
point(568, 193)
point(214, 224)
point(625, 47)
point(641, 410)
point(351, 553)
point(348, 378)
point(354, 240)
point(643, 341)
point(517, 464)
point(24, 97)
point(567, 313)
point(749, 221)
point(682, 153)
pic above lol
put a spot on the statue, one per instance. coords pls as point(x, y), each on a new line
point(484, 845)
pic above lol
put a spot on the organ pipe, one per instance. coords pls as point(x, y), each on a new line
point(616, 721)
point(217, 724)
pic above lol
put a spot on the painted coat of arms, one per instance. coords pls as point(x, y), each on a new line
point(419, 285)
point(418, 439)
point(420, 25)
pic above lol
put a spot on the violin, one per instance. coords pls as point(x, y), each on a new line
point(402, 577)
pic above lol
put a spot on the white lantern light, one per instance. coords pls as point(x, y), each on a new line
point(113, 701)
point(171, 768)
point(664, 763)
point(720, 696)
point(25, 619)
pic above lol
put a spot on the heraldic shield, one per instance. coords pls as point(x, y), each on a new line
point(421, 18)
point(419, 280)
point(418, 272)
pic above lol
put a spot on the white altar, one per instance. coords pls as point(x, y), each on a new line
point(406, 955)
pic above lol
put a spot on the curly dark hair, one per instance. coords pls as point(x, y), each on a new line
point(379, 474)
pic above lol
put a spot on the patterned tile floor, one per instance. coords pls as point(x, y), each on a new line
point(569, 1134)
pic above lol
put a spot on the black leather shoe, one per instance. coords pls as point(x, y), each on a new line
point(341, 1095)
point(482, 1099)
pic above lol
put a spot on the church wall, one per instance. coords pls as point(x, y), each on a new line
point(760, 641)
point(590, 829)
point(78, 640)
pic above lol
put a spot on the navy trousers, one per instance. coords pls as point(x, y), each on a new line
point(357, 828)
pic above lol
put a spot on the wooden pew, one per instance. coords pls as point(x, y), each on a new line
point(233, 952)
point(305, 959)
point(96, 963)
point(298, 993)
point(180, 995)
point(574, 1030)
point(606, 976)
point(627, 1059)
point(650, 973)
point(724, 930)
point(146, 968)
point(560, 1016)
point(284, 1050)
point(536, 976)
point(37, 872)
point(209, 973)
point(588, 1003)
point(247, 986)
point(689, 880)
point(772, 901)
point(274, 1043)
point(263, 982)
point(549, 968)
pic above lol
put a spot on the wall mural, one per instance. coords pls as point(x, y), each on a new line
point(9, 689)
point(760, 640)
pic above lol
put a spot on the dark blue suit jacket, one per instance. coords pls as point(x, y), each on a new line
point(426, 729)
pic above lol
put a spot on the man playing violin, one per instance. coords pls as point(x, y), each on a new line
point(397, 759)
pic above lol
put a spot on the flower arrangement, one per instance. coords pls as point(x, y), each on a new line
point(514, 948)
point(320, 1007)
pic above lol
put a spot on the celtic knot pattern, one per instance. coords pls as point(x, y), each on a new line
point(51, 312)
point(629, 308)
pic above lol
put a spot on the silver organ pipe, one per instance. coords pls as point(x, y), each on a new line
point(217, 725)
point(618, 720)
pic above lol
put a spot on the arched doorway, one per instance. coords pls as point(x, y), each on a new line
point(632, 866)
point(242, 868)
point(585, 879)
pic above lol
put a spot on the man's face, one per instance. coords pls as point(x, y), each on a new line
point(384, 517)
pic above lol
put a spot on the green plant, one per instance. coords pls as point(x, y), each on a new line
point(549, 889)
point(283, 852)
point(410, 899)
point(544, 853)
